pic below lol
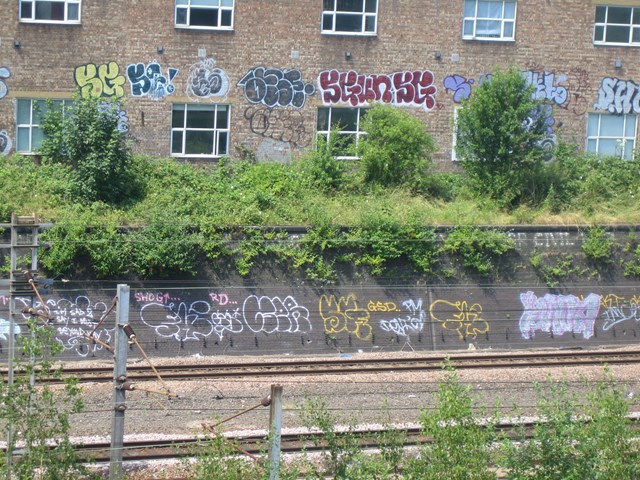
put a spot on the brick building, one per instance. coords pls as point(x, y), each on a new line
point(202, 78)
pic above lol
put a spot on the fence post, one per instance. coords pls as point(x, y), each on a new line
point(275, 431)
point(119, 377)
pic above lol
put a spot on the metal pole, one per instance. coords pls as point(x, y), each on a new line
point(119, 377)
point(275, 431)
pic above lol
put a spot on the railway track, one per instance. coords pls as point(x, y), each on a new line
point(344, 366)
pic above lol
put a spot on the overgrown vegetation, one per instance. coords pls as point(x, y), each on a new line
point(38, 413)
point(583, 432)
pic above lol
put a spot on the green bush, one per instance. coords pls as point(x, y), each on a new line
point(320, 166)
point(396, 150)
point(85, 137)
point(597, 245)
point(500, 129)
point(479, 248)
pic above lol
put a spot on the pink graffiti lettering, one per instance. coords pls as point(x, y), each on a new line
point(153, 297)
point(558, 314)
point(221, 299)
point(410, 88)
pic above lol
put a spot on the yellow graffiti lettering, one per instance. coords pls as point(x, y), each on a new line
point(342, 315)
point(381, 306)
point(611, 300)
point(104, 80)
point(111, 79)
point(460, 317)
point(90, 85)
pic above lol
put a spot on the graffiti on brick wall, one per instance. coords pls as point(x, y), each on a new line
point(5, 143)
point(4, 74)
point(119, 114)
point(180, 320)
point(5, 329)
point(281, 124)
point(558, 314)
point(149, 81)
point(205, 80)
point(103, 80)
point(409, 88)
point(459, 86)
point(459, 316)
point(618, 96)
point(617, 309)
point(72, 319)
point(275, 87)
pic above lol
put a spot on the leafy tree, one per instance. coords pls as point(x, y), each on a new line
point(40, 414)
point(500, 129)
point(89, 138)
point(396, 150)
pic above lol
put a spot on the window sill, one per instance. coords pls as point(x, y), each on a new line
point(489, 39)
point(51, 22)
point(349, 34)
point(628, 45)
point(206, 29)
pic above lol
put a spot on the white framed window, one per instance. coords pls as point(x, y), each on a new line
point(617, 25)
point(344, 123)
point(50, 11)
point(29, 115)
point(199, 130)
point(489, 20)
point(612, 135)
point(204, 14)
point(350, 17)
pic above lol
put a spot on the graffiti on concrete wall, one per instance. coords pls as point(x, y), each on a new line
point(205, 80)
point(5, 328)
point(282, 124)
point(72, 319)
point(459, 316)
point(200, 319)
point(275, 87)
point(149, 81)
point(405, 324)
point(617, 309)
point(558, 314)
point(103, 80)
point(343, 314)
point(5, 143)
point(409, 88)
point(4, 74)
point(618, 96)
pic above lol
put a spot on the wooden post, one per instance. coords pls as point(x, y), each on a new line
point(275, 431)
point(119, 377)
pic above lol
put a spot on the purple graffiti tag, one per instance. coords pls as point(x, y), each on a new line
point(460, 86)
point(558, 314)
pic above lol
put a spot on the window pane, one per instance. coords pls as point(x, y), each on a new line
point(204, 17)
point(24, 112)
point(205, 3)
point(223, 140)
point(344, 118)
point(630, 127)
point(225, 21)
point(26, 10)
point(636, 35)
point(619, 15)
point(636, 16)
point(592, 126)
point(510, 10)
point(328, 4)
point(73, 12)
point(177, 120)
point(370, 24)
point(23, 139)
point(50, 11)
point(322, 123)
point(227, 3)
point(327, 22)
point(599, 34)
point(199, 142)
point(489, 9)
point(508, 29)
point(370, 6)
point(222, 117)
point(592, 145)
point(349, 6)
point(618, 34)
point(199, 118)
point(608, 146)
point(468, 28)
point(181, 16)
point(348, 23)
point(176, 142)
point(470, 8)
point(36, 138)
point(488, 28)
point(611, 125)
point(182, 2)
point(600, 14)
point(628, 150)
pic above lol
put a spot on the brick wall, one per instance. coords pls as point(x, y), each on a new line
point(552, 38)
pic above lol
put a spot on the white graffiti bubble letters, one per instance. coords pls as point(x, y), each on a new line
point(271, 314)
point(5, 327)
point(409, 324)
